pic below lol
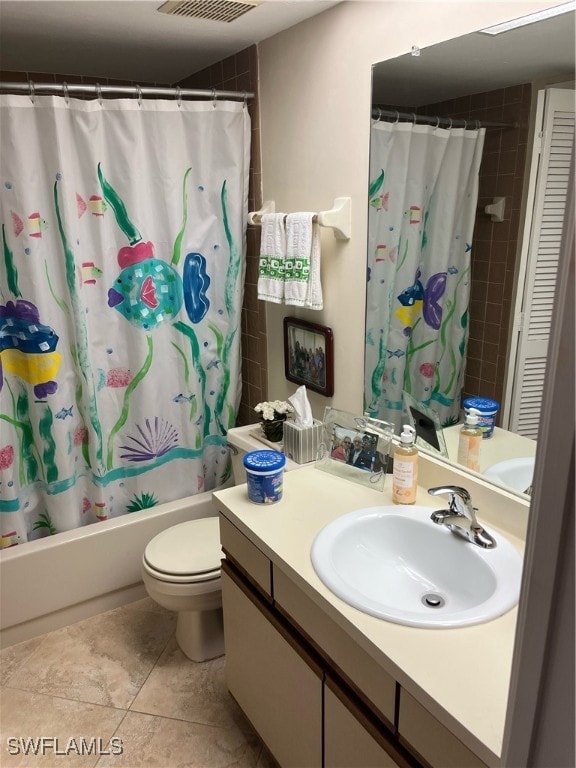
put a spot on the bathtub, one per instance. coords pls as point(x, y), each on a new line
point(52, 582)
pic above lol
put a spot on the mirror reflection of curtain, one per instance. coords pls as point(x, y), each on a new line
point(422, 204)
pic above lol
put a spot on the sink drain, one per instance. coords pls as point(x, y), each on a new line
point(432, 600)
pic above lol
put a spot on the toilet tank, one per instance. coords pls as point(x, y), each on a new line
point(243, 440)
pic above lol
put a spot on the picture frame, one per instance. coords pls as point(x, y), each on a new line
point(309, 355)
point(357, 448)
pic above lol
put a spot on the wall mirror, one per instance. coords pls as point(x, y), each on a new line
point(481, 80)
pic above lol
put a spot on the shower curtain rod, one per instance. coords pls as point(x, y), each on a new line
point(384, 114)
point(32, 89)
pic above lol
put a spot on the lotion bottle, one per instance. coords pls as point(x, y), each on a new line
point(405, 474)
point(470, 441)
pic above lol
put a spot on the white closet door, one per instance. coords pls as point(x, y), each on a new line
point(554, 145)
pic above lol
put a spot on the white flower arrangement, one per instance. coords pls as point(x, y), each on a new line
point(274, 409)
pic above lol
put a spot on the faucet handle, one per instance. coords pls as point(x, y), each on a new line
point(452, 490)
point(460, 500)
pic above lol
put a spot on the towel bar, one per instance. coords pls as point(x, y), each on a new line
point(337, 218)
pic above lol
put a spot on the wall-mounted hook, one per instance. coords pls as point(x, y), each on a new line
point(496, 209)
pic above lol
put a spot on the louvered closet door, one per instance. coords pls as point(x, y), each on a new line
point(550, 194)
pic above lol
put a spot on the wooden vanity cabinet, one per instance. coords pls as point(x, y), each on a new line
point(315, 697)
point(351, 739)
point(276, 685)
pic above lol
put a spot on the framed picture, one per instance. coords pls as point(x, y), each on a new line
point(309, 355)
point(357, 448)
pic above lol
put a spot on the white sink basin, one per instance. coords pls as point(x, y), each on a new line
point(517, 473)
point(395, 563)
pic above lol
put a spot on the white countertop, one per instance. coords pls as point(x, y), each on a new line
point(460, 675)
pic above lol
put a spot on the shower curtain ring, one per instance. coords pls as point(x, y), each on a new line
point(437, 122)
point(245, 100)
point(477, 124)
point(179, 96)
point(31, 94)
point(214, 98)
point(413, 118)
point(66, 92)
point(99, 93)
point(139, 92)
point(397, 118)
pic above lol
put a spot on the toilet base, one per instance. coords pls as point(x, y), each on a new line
point(200, 634)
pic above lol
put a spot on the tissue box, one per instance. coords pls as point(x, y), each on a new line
point(301, 443)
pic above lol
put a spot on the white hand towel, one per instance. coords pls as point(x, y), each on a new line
point(302, 287)
point(272, 255)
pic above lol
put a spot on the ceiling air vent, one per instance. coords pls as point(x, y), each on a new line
point(211, 10)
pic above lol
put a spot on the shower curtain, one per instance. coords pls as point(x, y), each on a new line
point(123, 233)
point(422, 204)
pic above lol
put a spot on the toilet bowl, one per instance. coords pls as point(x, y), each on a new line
point(181, 572)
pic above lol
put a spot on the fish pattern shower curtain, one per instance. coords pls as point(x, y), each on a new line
point(123, 234)
point(422, 206)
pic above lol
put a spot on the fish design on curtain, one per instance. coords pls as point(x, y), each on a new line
point(125, 361)
point(422, 204)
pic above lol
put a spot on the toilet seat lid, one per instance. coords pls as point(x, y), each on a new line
point(186, 549)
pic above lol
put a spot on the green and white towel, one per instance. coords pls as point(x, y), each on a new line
point(302, 287)
point(272, 255)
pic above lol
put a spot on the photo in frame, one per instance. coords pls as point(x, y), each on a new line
point(356, 448)
point(309, 355)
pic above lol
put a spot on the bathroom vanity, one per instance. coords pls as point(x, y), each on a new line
point(325, 684)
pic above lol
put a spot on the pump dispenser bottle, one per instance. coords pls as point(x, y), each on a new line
point(470, 441)
point(405, 475)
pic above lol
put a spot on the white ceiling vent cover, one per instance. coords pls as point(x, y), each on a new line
point(211, 10)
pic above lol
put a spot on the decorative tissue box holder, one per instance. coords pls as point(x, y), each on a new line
point(301, 443)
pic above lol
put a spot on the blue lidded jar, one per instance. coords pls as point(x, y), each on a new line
point(265, 476)
point(487, 411)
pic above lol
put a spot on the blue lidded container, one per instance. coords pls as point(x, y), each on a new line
point(487, 411)
point(265, 476)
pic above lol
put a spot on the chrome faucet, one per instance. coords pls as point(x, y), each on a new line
point(460, 516)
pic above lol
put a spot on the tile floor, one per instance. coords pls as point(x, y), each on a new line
point(122, 675)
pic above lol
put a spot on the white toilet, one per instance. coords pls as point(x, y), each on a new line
point(181, 572)
point(181, 568)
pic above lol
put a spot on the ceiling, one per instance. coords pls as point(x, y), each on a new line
point(478, 62)
point(129, 39)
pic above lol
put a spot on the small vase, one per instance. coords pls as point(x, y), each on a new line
point(273, 430)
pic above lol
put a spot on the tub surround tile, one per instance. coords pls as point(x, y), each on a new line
point(102, 660)
point(180, 688)
point(161, 742)
point(27, 715)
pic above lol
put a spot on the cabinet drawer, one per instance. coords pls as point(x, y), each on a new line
point(431, 740)
point(270, 679)
point(364, 675)
point(248, 557)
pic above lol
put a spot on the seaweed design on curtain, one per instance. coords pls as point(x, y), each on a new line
point(422, 203)
point(137, 369)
